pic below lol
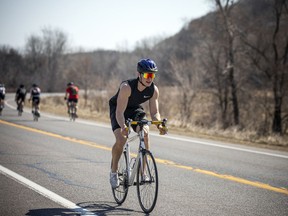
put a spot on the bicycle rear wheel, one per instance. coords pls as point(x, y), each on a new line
point(1, 108)
point(147, 183)
point(20, 109)
point(72, 116)
point(72, 112)
point(35, 117)
point(120, 193)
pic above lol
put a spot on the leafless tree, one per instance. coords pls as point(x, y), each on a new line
point(268, 53)
point(218, 80)
point(225, 7)
point(82, 74)
point(183, 74)
point(44, 54)
point(11, 63)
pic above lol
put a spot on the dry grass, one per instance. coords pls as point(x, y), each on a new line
point(97, 110)
point(57, 105)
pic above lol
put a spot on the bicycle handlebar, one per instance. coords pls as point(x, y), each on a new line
point(147, 122)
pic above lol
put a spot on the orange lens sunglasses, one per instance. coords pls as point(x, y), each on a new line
point(148, 75)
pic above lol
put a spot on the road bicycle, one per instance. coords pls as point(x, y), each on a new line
point(72, 111)
point(1, 108)
point(20, 108)
point(35, 111)
point(142, 167)
point(36, 115)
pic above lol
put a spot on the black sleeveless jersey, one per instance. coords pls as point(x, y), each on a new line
point(137, 97)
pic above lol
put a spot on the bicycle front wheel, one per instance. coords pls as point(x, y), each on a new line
point(147, 182)
point(20, 109)
point(120, 193)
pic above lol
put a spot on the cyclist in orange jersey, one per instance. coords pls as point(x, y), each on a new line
point(72, 95)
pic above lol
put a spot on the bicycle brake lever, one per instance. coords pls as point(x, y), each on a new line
point(164, 121)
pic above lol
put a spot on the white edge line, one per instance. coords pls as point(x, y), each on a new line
point(180, 139)
point(222, 146)
point(60, 117)
point(44, 192)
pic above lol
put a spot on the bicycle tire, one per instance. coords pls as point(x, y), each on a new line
point(72, 112)
point(20, 110)
point(120, 193)
point(71, 116)
point(147, 183)
point(35, 117)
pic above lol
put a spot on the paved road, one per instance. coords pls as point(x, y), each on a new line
point(58, 167)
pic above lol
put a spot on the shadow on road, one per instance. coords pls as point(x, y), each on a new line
point(98, 208)
point(52, 212)
point(103, 208)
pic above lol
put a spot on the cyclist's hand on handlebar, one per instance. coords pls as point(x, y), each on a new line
point(162, 129)
point(124, 132)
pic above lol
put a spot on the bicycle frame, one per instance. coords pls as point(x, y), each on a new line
point(143, 169)
point(133, 171)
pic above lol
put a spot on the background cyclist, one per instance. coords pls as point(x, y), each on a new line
point(20, 96)
point(127, 104)
point(72, 93)
point(35, 97)
point(2, 96)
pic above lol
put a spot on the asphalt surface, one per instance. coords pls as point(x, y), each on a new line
point(58, 167)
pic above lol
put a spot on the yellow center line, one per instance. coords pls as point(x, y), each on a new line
point(83, 142)
point(161, 161)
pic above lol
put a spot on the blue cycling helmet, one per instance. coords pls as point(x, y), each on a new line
point(146, 65)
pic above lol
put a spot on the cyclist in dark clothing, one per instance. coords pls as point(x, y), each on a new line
point(20, 95)
point(127, 104)
point(2, 97)
point(133, 110)
point(35, 97)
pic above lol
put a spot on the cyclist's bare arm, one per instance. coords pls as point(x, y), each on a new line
point(122, 101)
point(66, 95)
point(154, 105)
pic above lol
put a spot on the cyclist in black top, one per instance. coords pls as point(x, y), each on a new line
point(35, 97)
point(127, 104)
point(2, 95)
point(20, 95)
